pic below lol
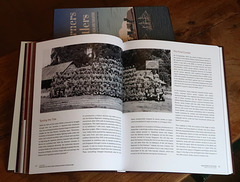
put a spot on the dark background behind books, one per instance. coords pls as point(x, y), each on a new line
point(33, 20)
point(209, 22)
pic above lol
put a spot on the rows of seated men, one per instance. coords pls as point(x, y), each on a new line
point(99, 78)
point(140, 85)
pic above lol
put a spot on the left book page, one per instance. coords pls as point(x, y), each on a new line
point(77, 106)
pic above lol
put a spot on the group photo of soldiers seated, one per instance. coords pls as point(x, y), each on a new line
point(102, 76)
point(142, 85)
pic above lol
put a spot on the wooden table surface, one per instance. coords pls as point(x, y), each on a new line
point(208, 22)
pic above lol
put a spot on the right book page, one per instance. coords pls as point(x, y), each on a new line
point(175, 111)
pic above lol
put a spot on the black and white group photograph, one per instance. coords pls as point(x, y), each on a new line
point(82, 76)
point(147, 80)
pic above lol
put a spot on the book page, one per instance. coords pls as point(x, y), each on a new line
point(77, 114)
point(175, 109)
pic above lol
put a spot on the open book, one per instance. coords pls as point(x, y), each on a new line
point(92, 102)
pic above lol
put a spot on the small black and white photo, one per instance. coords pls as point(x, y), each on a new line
point(147, 80)
point(82, 76)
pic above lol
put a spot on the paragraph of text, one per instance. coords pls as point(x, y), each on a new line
point(58, 138)
point(101, 134)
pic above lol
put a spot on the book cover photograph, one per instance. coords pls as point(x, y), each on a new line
point(128, 23)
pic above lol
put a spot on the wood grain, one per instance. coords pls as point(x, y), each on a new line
point(209, 22)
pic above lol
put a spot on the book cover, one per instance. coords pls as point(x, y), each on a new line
point(128, 23)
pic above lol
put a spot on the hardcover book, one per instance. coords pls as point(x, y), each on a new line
point(128, 23)
point(92, 102)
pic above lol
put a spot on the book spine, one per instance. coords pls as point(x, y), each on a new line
point(23, 110)
point(26, 110)
point(12, 162)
